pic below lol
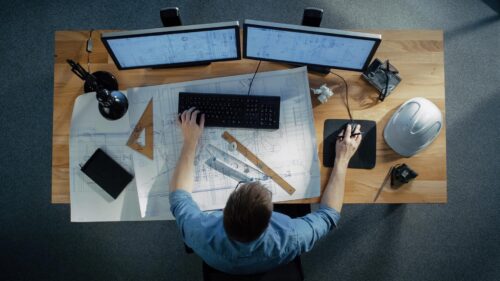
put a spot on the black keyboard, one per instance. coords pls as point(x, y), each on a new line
point(237, 111)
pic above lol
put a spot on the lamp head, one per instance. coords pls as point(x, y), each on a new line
point(112, 104)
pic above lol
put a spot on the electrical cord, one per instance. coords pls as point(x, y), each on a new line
point(89, 48)
point(386, 72)
point(346, 94)
point(251, 81)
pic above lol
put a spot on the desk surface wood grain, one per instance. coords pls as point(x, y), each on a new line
point(418, 55)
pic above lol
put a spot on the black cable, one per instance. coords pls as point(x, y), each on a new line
point(251, 82)
point(346, 94)
point(382, 98)
point(386, 72)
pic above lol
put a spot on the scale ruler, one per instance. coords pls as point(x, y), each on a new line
point(257, 162)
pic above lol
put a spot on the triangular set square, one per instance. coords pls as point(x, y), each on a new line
point(145, 123)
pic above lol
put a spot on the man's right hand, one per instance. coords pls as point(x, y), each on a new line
point(347, 146)
point(333, 195)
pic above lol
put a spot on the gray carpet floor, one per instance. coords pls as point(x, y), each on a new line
point(455, 241)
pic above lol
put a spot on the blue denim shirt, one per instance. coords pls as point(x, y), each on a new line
point(283, 240)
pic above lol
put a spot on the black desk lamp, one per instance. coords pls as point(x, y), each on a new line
point(112, 103)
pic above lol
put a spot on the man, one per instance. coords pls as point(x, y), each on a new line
point(247, 236)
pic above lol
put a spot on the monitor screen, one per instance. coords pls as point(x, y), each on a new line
point(184, 45)
point(309, 45)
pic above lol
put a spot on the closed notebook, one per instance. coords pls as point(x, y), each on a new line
point(107, 173)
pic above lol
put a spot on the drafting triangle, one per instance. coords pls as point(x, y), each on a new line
point(141, 140)
point(145, 124)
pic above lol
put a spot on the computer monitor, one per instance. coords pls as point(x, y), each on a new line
point(312, 46)
point(174, 46)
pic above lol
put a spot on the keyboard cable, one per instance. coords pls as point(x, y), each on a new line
point(251, 81)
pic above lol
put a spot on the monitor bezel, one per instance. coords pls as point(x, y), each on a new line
point(312, 30)
point(172, 30)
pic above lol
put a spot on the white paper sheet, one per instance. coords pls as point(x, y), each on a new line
point(89, 131)
point(291, 151)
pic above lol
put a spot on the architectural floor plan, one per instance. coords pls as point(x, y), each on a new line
point(291, 150)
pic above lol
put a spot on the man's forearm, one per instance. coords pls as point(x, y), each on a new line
point(183, 177)
point(333, 196)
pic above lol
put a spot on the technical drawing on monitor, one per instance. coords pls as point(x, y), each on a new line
point(174, 45)
point(309, 45)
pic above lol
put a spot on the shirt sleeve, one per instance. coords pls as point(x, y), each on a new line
point(186, 213)
point(314, 226)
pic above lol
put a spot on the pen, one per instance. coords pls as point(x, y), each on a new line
point(352, 135)
point(387, 177)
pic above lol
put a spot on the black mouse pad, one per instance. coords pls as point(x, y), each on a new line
point(365, 156)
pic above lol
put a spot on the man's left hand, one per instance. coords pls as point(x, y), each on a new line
point(191, 131)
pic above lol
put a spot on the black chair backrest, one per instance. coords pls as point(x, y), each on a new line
point(291, 271)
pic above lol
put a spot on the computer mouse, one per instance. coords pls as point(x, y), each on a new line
point(413, 127)
point(353, 128)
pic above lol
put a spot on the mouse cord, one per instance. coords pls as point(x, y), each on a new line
point(346, 94)
point(251, 81)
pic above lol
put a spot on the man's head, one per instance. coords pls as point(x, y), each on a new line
point(247, 212)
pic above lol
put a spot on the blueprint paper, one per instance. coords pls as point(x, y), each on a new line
point(291, 151)
point(89, 131)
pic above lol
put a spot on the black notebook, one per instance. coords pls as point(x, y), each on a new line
point(108, 174)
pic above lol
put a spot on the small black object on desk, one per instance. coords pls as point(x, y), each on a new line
point(383, 76)
point(170, 16)
point(401, 174)
point(112, 103)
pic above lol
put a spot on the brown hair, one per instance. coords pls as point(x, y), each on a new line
point(247, 212)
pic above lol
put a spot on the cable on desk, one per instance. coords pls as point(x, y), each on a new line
point(386, 80)
point(89, 48)
point(251, 81)
point(346, 94)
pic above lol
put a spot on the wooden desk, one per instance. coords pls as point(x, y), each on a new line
point(418, 55)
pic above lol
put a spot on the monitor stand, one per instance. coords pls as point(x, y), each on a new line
point(171, 16)
point(318, 69)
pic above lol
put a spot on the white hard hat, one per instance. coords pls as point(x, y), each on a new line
point(414, 126)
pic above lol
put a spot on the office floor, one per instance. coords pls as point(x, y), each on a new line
point(456, 241)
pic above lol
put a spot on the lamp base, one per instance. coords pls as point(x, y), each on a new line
point(104, 78)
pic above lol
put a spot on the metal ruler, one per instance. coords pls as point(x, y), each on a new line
point(232, 167)
point(257, 162)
